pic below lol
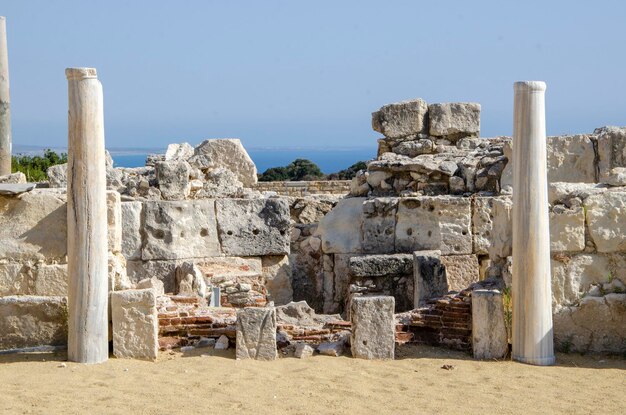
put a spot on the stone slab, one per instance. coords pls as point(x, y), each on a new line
point(492, 227)
point(379, 224)
point(256, 334)
point(12, 189)
point(131, 213)
point(489, 334)
point(430, 276)
point(461, 271)
point(606, 218)
point(114, 221)
point(373, 327)
point(457, 119)
point(567, 229)
point(340, 229)
point(401, 119)
point(381, 265)
point(135, 324)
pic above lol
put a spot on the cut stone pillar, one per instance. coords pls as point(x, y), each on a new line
point(256, 333)
point(430, 276)
point(532, 297)
point(86, 220)
point(5, 106)
point(489, 336)
point(135, 324)
point(373, 327)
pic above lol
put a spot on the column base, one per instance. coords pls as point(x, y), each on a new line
point(537, 361)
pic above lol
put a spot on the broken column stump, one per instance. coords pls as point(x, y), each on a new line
point(489, 335)
point(373, 327)
point(135, 324)
point(256, 334)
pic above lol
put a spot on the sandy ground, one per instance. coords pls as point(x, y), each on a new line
point(414, 383)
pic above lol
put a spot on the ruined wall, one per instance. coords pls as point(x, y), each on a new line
point(306, 188)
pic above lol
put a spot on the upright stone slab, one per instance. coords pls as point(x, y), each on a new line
point(135, 324)
point(256, 334)
point(532, 294)
point(489, 335)
point(5, 111)
point(114, 221)
point(86, 220)
point(430, 276)
point(373, 327)
point(173, 178)
point(131, 229)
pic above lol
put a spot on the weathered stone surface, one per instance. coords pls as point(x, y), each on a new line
point(439, 223)
point(13, 279)
point(334, 349)
point(222, 343)
point(33, 226)
point(135, 324)
point(14, 178)
point(152, 283)
point(340, 230)
point(303, 351)
point(162, 270)
point(611, 150)
point(573, 277)
point(492, 226)
point(180, 229)
point(250, 227)
point(131, 216)
point(597, 325)
point(228, 153)
point(57, 175)
point(221, 182)
point(489, 334)
point(461, 271)
point(29, 321)
point(567, 229)
point(14, 189)
point(616, 177)
point(173, 178)
point(379, 224)
point(456, 119)
point(277, 276)
point(561, 192)
point(50, 280)
point(180, 151)
point(401, 119)
point(381, 265)
point(430, 276)
point(256, 334)
point(373, 327)
point(190, 280)
point(571, 159)
point(114, 221)
point(606, 217)
point(413, 148)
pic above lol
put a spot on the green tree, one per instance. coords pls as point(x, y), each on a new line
point(35, 167)
point(299, 169)
point(349, 173)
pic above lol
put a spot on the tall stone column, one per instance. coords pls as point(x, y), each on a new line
point(5, 106)
point(532, 293)
point(86, 220)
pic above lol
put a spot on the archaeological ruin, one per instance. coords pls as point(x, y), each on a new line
point(500, 247)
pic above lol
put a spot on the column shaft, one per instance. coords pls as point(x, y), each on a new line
point(532, 293)
point(5, 103)
point(86, 220)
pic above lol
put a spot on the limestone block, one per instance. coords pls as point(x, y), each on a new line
point(180, 229)
point(430, 276)
point(379, 223)
point(303, 351)
point(413, 148)
point(173, 178)
point(250, 227)
point(230, 268)
point(573, 277)
point(162, 270)
point(14, 178)
point(461, 271)
point(33, 226)
point(616, 177)
point(152, 283)
point(256, 334)
point(611, 150)
point(340, 230)
point(606, 218)
point(57, 175)
point(13, 281)
point(190, 280)
point(228, 153)
point(30, 321)
point(277, 276)
point(567, 229)
point(381, 265)
point(597, 325)
point(559, 192)
point(334, 349)
point(114, 221)
point(181, 151)
point(571, 159)
point(492, 226)
point(434, 223)
point(50, 280)
point(401, 119)
point(456, 119)
point(131, 213)
point(135, 324)
point(489, 334)
point(373, 327)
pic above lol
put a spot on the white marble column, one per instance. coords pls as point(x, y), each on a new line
point(86, 220)
point(5, 106)
point(532, 296)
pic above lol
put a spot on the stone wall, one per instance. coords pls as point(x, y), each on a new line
point(306, 188)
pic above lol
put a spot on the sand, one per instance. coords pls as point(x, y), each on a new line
point(414, 383)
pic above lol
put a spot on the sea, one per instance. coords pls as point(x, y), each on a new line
point(329, 160)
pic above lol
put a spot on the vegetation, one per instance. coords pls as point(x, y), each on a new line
point(507, 299)
point(302, 169)
point(35, 167)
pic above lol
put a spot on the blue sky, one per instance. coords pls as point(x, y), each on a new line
point(295, 73)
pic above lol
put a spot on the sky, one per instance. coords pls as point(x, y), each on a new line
point(308, 74)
